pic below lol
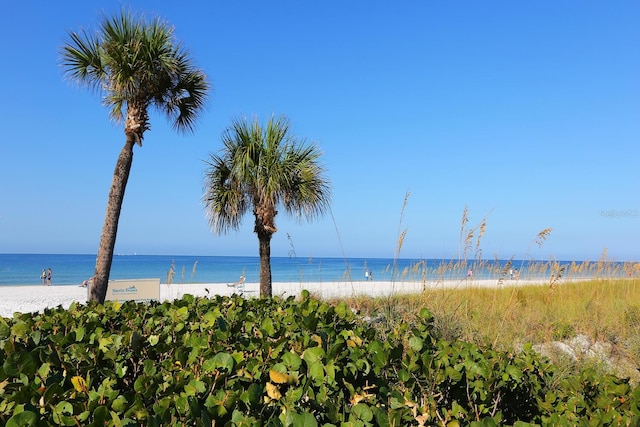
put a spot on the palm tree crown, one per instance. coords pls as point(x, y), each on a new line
point(135, 64)
point(263, 168)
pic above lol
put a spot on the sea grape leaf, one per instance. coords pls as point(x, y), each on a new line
point(101, 416)
point(141, 384)
point(425, 313)
point(23, 419)
point(153, 340)
point(5, 330)
point(20, 330)
point(182, 404)
point(363, 366)
point(209, 318)
point(316, 372)
point(79, 384)
point(149, 367)
point(215, 403)
point(273, 392)
point(304, 420)
point(181, 314)
point(36, 336)
point(79, 334)
point(362, 412)
point(194, 387)
point(403, 375)
point(280, 378)
point(19, 363)
point(44, 370)
point(416, 343)
point(267, 327)
point(221, 324)
point(378, 355)
point(292, 360)
point(121, 370)
point(119, 404)
point(342, 309)
point(252, 394)
point(312, 355)
point(219, 361)
point(61, 414)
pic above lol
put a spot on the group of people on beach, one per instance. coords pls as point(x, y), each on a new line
point(46, 276)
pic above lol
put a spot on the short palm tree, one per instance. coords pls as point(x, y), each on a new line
point(262, 168)
point(135, 64)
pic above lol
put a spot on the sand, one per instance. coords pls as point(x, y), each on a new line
point(30, 299)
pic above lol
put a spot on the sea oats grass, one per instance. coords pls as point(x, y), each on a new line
point(505, 318)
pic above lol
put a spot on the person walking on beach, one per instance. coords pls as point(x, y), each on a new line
point(49, 274)
point(43, 277)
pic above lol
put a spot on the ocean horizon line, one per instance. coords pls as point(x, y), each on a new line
point(355, 257)
point(26, 269)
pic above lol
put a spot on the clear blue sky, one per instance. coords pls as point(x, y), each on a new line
point(526, 112)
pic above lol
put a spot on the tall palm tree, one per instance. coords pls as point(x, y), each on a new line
point(262, 168)
point(136, 64)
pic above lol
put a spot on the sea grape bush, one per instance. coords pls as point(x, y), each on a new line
point(230, 361)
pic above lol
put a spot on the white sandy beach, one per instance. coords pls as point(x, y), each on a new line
point(29, 299)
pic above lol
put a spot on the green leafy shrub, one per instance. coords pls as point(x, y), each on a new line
point(274, 362)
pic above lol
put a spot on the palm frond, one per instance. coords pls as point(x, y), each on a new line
point(270, 167)
point(135, 61)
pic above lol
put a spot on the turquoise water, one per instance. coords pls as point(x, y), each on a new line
point(25, 269)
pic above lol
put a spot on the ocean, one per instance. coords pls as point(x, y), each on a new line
point(25, 269)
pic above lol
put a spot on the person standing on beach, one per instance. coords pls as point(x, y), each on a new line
point(43, 277)
point(49, 275)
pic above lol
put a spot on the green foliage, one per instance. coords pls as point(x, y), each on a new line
point(563, 330)
point(276, 362)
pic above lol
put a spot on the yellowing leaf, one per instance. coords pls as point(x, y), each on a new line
point(273, 392)
point(365, 395)
point(357, 398)
point(317, 338)
point(79, 384)
point(280, 378)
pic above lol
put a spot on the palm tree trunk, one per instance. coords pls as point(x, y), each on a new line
point(265, 264)
point(98, 291)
